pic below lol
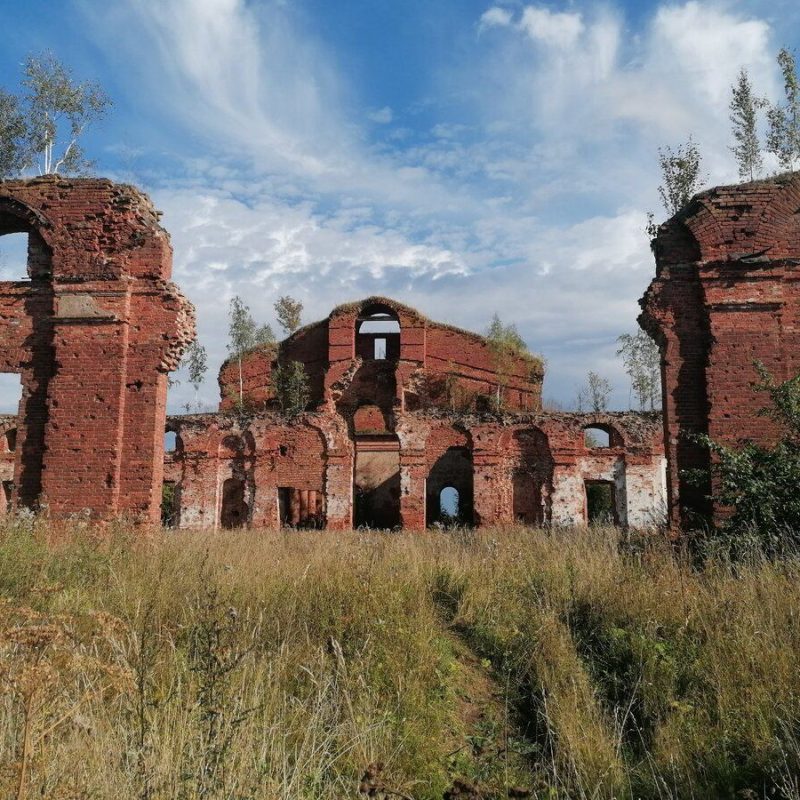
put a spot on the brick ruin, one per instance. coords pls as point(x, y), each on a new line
point(401, 433)
point(725, 294)
point(92, 331)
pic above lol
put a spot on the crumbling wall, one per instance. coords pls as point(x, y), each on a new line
point(93, 333)
point(725, 295)
point(531, 469)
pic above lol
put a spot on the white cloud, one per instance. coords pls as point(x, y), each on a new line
point(558, 29)
point(526, 198)
point(495, 17)
point(382, 116)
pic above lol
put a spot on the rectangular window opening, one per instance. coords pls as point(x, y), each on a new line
point(380, 349)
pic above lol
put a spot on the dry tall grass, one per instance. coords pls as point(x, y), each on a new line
point(266, 665)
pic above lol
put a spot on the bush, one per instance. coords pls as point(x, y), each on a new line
point(759, 483)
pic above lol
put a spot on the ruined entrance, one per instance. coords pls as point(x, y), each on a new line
point(376, 482)
point(449, 499)
point(531, 476)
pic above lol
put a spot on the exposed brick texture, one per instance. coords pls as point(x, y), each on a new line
point(93, 333)
point(725, 294)
point(384, 437)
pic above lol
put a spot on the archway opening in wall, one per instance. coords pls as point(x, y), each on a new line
point(170, 504)
point(601, 506)
point(378, 334)
point(449, 480)
point(234, 511)
point(14, 257)
point(11, 440)
point(376, 482)
point(531, 477)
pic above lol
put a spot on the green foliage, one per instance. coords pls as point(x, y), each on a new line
point(642, 360)
point(783, 136)
point(290, 383)
point(743, 116)
point(13, 155)
point(594, 394)
point(244, 335)
point(43, 125)
point(506, 346)
point(760, 482)
point(289, 312)
point(196, 361)
point(680, 171)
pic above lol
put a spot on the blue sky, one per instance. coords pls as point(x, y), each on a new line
point(464, 157)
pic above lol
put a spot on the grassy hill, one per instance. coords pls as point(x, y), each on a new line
point(324, 665)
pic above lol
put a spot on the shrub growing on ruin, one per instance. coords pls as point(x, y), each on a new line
point(290, 383)
point(760, 482)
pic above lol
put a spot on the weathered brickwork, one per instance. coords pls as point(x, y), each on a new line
point(399, 424)
point(92, 332)
point(725, 294)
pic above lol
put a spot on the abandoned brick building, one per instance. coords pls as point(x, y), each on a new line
point(399, 429)
point(402, 434)
point(726, 294)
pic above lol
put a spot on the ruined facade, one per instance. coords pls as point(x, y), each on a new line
point(92, 330)
point(726, 294)
point(400, 431)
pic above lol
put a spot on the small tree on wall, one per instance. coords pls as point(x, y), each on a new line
point(244, 335)
point(290, 383)
point(506, 346)
point(289, 312)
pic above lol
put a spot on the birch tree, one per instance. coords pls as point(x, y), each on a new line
point(744, 117)
point(196, 361)
point(41, 126)
point(783, 136)
point(244, 335)
point(289, 311)
point(680, 171)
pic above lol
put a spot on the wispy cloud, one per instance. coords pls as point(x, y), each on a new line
point(527, 196)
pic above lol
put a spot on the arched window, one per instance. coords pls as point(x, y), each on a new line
point(448, 503)
point(11, 440)
point(172, 442)
point(594, 437)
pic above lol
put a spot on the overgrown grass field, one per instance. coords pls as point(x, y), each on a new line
point(322, 665)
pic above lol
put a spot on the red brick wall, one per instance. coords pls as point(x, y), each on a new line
point(725, 294)
point(94, 333)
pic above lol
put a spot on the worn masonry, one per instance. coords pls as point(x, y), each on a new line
point(93, 332)
point(726, 294)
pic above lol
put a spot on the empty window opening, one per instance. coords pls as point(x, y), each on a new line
point(11, 440)
point(23, 255)
point(378, 334)
point(301, 508)
point(14, 257)
point(594, 437)
point(172, 442)
point(448, 504)
point(600, 503)
point(10, 393)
